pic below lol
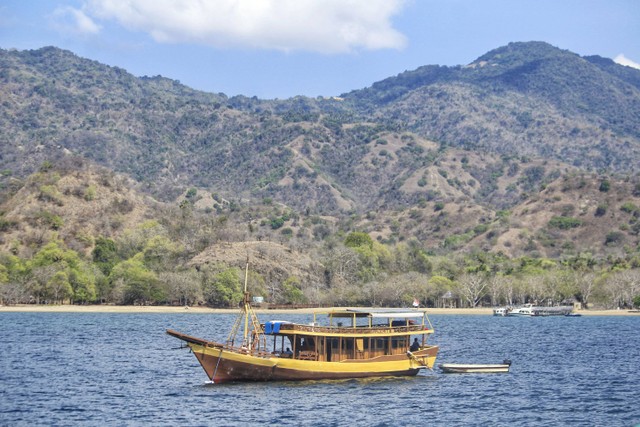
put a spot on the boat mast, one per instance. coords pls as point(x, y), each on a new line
point(251, 338)
point(246, 304)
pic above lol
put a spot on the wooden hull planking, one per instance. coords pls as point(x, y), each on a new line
point(223, 365)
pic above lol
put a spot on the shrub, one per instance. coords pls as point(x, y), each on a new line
point(54, 222)
point(601, 210)
point(6, 225)
point(480, 228)
point(628, 207)
point(613, 238)
point(357, 239)
point(49, 193)
point(90, 193)
point(564, 222)
point(191, 193)
point(277, 223)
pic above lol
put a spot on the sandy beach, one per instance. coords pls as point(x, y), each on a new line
point(206, 310)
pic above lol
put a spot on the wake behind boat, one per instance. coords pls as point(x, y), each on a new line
point(351, 343)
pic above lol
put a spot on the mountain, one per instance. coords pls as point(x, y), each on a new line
point(506, 154)
point(524, 98)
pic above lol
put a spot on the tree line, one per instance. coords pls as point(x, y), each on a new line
point(148, 265)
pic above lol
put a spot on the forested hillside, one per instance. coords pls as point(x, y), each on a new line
point(509, 179)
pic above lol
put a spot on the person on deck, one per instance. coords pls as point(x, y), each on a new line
point(415, 346)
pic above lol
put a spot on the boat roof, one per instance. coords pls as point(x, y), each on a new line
point(396, 313)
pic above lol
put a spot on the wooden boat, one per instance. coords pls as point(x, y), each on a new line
point(456, 368)
point(350, 343)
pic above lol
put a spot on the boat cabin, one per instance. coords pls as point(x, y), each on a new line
point(349, 334)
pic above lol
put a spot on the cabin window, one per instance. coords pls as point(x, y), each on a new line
point(400, 342)
point(378, 343)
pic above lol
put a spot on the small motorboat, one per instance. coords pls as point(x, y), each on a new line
point(458, 368)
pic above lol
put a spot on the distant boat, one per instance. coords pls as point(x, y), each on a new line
point(534, 311)
point(354, 343)
point(457, 368)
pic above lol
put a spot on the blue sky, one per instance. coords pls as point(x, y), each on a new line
point(283, 48)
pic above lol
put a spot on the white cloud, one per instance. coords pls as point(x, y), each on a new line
point(327, 26)
point(75, 21)
point(623, 60)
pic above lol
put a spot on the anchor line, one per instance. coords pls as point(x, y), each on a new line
point(415, 359)
point(215, 371)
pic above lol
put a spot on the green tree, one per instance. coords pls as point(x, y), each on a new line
point(358, 239)
point(13, 279)
point(160, 252)
point(105, 254)
point(4, 274)
point(372, 259)
point(140, 284)
point(438, 286)
point(224, 288)
point(292, 292)
point(60, 287)
point(53, 253)
point(134, 240)
point(53, 258)
point(82, 280)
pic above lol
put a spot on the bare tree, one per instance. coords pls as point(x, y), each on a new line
point(496, 287)
point(183, 286)
point(12, 293)
point(343, 263)
point(622, 286)
point(472, 288)
point(585, 283)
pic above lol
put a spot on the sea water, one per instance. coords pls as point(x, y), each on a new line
point(122, 369)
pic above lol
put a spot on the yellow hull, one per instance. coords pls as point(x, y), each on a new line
point(223, 365)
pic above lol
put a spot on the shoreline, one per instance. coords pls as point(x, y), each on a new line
point(30, 308)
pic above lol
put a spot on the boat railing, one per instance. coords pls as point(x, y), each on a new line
point(302, 355)
point(242, 350)
point(293, 327)
point(308, 355)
